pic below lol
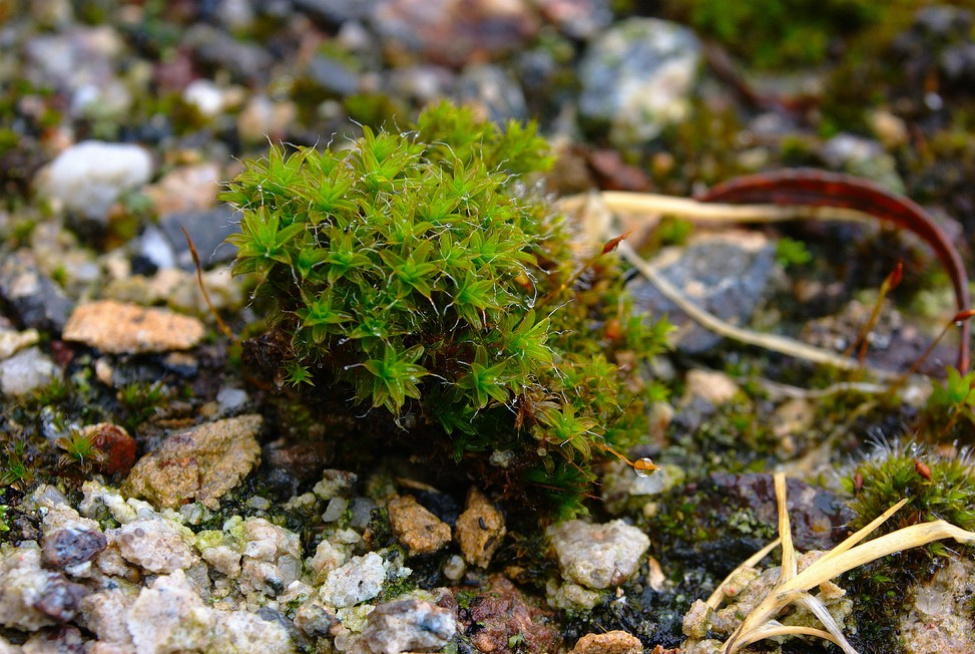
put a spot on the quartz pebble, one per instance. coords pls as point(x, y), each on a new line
point(598, 555)
point(90, 176)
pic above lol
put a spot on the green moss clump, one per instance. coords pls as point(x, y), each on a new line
point(935, 487)
point(774, 34)
point(418, 272)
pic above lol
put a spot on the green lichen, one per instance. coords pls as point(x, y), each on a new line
point(417, 272)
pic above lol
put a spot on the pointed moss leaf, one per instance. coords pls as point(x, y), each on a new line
point(484, 381)
point(395, 377)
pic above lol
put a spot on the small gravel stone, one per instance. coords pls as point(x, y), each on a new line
point(243, 632)
point(328, 557)
point(169, 616)
point(105, 614)
point(408, 626)
point(711, 386)
point(416, 527)
point(454, 32)
point(117, 328)
point(115, 445)
point(728, 274)
point(334, 483)
point(611, 642)
point(188, 188)
point(35, 300)
point(60, 599)
point(68, 547)
point(358, 580)
point(26, 371)
point(314, 619)
point(271, 556)
point(208, 229)
point(480, 529)
point(155, 545)
point(22, 584)
point(202, 464)
point(598, 555)
point(637, 78)
point(90, 176)
point(12, 341)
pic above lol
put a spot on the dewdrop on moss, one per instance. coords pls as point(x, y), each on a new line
point(644, 467)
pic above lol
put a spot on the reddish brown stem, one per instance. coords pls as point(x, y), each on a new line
point(807, 187)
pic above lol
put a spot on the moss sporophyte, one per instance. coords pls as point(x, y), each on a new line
point(420, 274)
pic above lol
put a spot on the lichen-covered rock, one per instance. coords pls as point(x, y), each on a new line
point(169, 616)
point(611, 642)
point(598, 555)
point(271, 556)
point(202, 464)
point(105, 614)
point(32, 598)
point(358, 580)
point(117, 328)
point(243, 632)
point(156, 545)
point(408, 626)
point(328, 557)
point(480, 529)
point(416, 527)
point(940, 619)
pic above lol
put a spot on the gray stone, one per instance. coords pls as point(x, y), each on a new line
point(408, 626)
point(35, 300)
point(333, 76)
point(865, 158)
point(230, 400)
point(208, 229)
point(153, 245)
point(637, 78)
point(494, 90)
point(578, 19)
point(336, 11)
point(728, 275)
point(26, 371)
point(598, 555)
point(244, 61)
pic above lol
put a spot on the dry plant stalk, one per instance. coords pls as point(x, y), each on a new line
point(630, 202)
point(793, 587)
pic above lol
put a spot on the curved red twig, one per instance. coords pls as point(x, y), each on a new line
point(809, 187)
